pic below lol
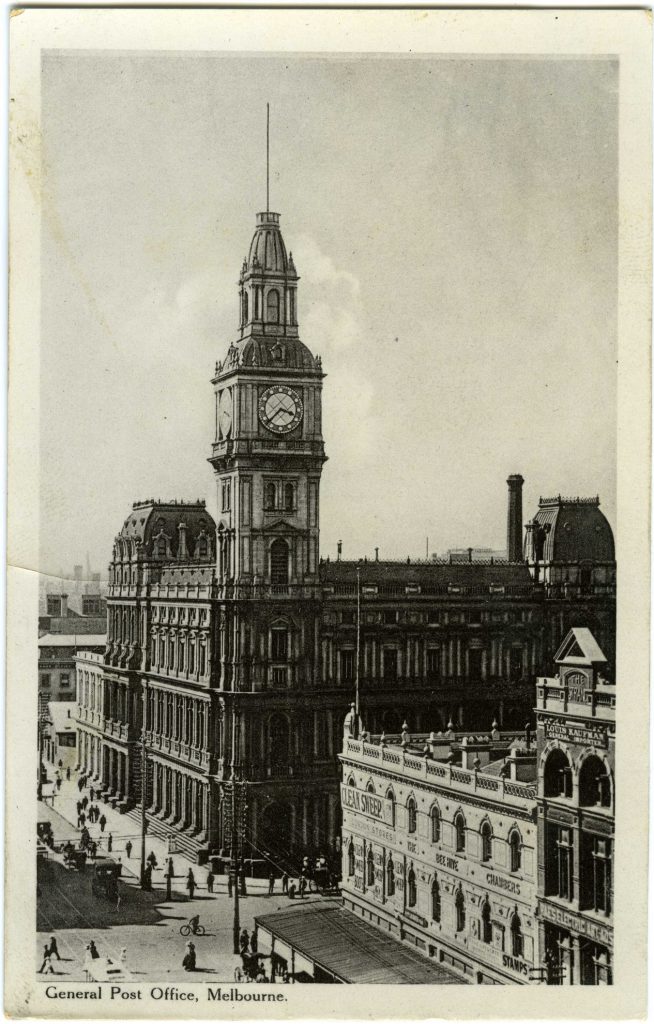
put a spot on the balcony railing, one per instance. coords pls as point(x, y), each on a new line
point(520, 794)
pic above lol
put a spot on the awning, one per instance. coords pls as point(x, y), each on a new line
point(354, 951)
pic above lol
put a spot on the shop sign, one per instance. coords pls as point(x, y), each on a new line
point(377, 807)
point(503, 884)
point(576, 923)
point(585, 735)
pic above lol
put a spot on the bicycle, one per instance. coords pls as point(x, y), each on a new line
point(187, 930)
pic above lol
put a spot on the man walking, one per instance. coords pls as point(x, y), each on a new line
point(128, 848)
point(284, 883)
point(110, 843)
point(271, 882)
point(244, 941)
point(91, 792)
point(210, 879)
point(103, 822)
point(190, 883)
point(46, 967)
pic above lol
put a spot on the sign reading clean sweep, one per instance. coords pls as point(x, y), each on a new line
point(377, 807)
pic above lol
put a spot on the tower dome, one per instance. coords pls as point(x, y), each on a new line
point(267, 249)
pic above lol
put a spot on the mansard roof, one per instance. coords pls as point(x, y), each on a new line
point(152, 520)
point(428, 574)
point(573, 530)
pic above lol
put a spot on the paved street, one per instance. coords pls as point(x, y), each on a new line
point(144, 924)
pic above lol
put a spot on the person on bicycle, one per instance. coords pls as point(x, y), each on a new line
point(193, 923)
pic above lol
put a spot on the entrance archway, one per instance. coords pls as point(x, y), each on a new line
point(275, 831)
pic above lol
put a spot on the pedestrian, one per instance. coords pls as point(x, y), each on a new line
point(284, 883)
point(188, 963)
point(82, 817)
point(123, 957)
point(67, 774)
point(128, 848)
point(91, 792)
point(110, 843)
point(46, 967)
point(103, 822)
point(79, 807)
point(58, 784)
point(152, 860)
point(60, 763)
point(93, 950)
point(303, 886)
point(244, 941)
point(85, 802)
point(190, 883)
point(52, 948)
point(80, 784)
point(254, 944)
point(291, 891)
point(93, 849)
point(210, 879)
point(271, 882)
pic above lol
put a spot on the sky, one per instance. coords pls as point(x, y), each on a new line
point(454, 225)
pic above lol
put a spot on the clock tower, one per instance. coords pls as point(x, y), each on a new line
point(268, 455)
point(268, 450)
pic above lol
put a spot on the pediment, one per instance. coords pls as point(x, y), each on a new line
point(280, 526)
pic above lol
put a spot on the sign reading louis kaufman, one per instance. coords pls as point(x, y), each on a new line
point(377, 807)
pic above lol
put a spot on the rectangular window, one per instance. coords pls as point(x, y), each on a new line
point(433, 662)
point(474, 616)
point(474, 665)
point(348, 661)
point(601, 875)
point(564, 863)
point(433, 617)
point(227, 495)
point(389, 617)
point(349, 618)
point(64, 680)
point(390, 663)
point(53, 605)
point(45, 682)
point(279, 677)
point(279, 644)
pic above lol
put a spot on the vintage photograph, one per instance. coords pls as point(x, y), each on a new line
point(337, 704)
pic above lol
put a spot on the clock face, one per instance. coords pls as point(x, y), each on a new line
point(280, 409)
point(225, 412)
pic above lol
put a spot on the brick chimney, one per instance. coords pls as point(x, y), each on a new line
point(514, 519)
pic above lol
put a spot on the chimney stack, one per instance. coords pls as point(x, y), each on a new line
point(514, 519)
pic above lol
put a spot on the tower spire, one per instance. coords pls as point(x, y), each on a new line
point(267, 157)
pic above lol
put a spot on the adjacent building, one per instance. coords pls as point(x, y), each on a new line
point(56, 666)
point(60, 734)
point(439, 847)
point(576, 812)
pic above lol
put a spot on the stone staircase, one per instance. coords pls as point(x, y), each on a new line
point(187, 845)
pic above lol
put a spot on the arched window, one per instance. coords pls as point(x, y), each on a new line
point(273, 306)
point(390, 795)
point(370, 788)
point(435, 817)
point(161, 547)
point(460, 832)
point(279, 562)
point(278, 742)
point(350, 859)
point(557, 775)
point(370, 868)
point(594, 789)
point(486, 927)
point(351, 781)
point(460, 907)
point(412, 892)
point(279, 643)
point(269, 496)
point(245, 307)
point(412, 815)
point(435, 901)
point(390, 877)
point(289, 497)
point(486, 841)
point(517, 938)
point(515, 850)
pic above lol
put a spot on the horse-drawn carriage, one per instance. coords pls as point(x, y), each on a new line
point(105, 878)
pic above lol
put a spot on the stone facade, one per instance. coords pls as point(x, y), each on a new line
point(576, 812)
point(439, 847)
